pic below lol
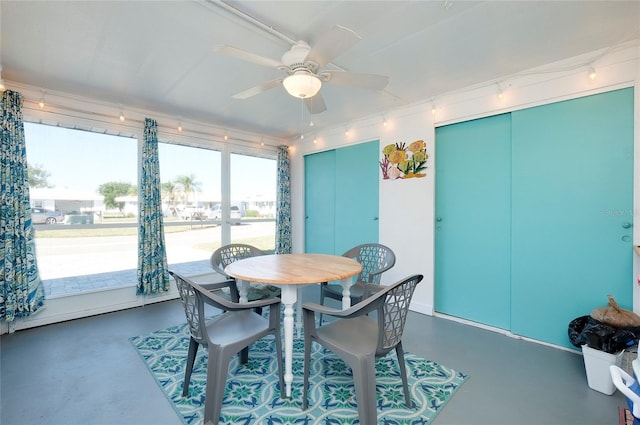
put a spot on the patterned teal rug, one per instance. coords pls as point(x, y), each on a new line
point(252, 394)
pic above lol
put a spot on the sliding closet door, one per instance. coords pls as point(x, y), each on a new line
point(319, 194)
point(572, 211)
point(341, 198)
point(357, 180)
point(472, 259)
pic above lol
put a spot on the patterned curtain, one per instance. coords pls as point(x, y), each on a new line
point(153, 274)
point(283, 203)
point(21, 291)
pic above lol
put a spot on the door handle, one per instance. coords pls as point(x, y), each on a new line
point(375, 218)
point(626, 225)
point(438, 219)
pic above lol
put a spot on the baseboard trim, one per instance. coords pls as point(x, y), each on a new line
point(79, 305)
point(503, 332)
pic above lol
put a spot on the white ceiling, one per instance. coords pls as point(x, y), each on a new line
point(159, 55)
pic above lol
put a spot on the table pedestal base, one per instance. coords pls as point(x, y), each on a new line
point(289, 298)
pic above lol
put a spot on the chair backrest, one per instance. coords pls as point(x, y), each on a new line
point(228, 254)
point(193, 308)
point(392, 313)
point(375, 259)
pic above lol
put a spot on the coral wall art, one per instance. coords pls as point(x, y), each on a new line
point(404, 162)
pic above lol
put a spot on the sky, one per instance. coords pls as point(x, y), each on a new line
point(81, 160)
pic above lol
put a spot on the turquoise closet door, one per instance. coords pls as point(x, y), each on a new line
point(473, 183)
point(357, 182)
point(341, 198)
point(319, 194)
point(572, 211)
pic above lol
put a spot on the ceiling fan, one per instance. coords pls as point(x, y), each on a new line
point(303, 66)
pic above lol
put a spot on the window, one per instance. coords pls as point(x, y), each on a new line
point(190, 180)
point(253, 193)
point(80, 183)
point(84, 200)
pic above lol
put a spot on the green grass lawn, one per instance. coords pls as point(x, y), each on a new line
point(130, 228)
point(65, 232)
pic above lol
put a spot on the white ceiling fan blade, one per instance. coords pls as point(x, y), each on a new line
point(331, 45)
point(354, 79)
point(315, 104)
point(248, 56)
point(257, 89)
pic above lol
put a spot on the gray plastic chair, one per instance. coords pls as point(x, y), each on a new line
point(359, 339)
point(230, 253)
point(375, 259)
point(224, 336)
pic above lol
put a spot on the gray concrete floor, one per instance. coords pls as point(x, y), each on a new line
point(86, 372)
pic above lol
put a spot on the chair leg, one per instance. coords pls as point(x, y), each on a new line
point(307, 364)
point(274, 326)
point(403, 373)
point(217, 370)
point(283, 393)
point(244, 355)
point(191, 358)
point(322, 286)
point(364, 379)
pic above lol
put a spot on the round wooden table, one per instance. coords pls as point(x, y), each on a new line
point(289, 272)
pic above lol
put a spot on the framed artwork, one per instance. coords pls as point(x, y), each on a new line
point(404, 162)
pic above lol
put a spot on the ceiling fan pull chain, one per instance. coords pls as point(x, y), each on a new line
point(301, 118)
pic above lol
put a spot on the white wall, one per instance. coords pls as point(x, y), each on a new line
point(407, 206)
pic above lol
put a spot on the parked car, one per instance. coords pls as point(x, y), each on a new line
point(216, 214)
point(192, 213)
point(44, 216)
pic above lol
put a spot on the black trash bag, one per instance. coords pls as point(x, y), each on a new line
point(586, 330)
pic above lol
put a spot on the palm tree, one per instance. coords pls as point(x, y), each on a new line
point(188, 185)
point(171, 193)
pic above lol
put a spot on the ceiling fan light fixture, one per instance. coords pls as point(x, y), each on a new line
point(302, 85)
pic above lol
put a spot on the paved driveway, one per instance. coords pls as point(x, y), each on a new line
point(76, 264)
